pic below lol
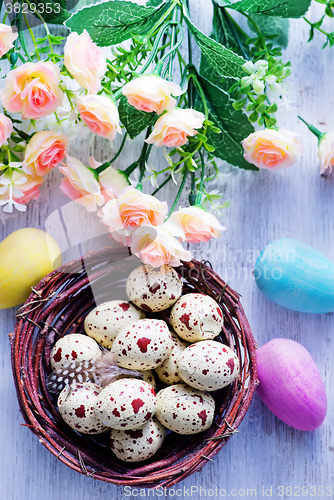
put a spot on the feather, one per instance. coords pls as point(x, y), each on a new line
point(102, 372)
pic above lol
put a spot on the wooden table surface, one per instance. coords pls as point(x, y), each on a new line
point(296, 202)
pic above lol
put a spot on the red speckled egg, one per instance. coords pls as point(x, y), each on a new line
point(76, 406)
point(185, 410)
point(143, 345)
point(208, 365)
point(138, 444)
point(127, 403)
point(196, 317)
point(73, 347)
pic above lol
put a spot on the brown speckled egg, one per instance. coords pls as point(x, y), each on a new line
point(185, 410)
point(76, 406)
point(208, 365)
point(154, 289)
point(73, 347)
point(168, 371)
point(143, 345)
point(127, 403)
point(196, 317)
point(138, 444)
point(105, 321)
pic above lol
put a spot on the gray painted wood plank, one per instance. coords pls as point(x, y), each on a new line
point(295, 202)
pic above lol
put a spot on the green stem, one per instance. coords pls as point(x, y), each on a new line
point(107, 164)
point(200, 189)
point(145, 153)
point(201, 92)
point(233, 25)
point(131, 168)
point(172, 50)
point(162, 19)
point(179, 191)
point(166, 181)
point(312, 129)
point(316, 27)
point(193, 196)
point(247, 16)
point(32, 37)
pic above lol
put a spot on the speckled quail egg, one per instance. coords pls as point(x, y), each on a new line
point(196, 317)
point(185, 410)
point(168, 371)
point(138, 444)
point(73, 347)
point(154, 289)
point(149, 377)
point(76, 406)
point(105, 321)
point(208, 365)
point(143, 345)
point(127, 403)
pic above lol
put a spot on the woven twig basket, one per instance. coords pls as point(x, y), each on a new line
point(58, 305)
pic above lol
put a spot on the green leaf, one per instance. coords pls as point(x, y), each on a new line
point(153, 3)
point(134, 121)
point(58, 15)
point(223, 60)
point(112, 22)
point(234, 125)
point(272, 25)
point(282, 8)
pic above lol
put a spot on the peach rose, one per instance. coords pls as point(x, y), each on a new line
point(80, 184)
point(272, 149)
point(44, 152)
point(131, 210)
point(156, 246)
point(152, 93)
point(193, 224)
point(32, 89)
point(6, 128)
point(100, 114)
point(7, 38)
point(112, 181)
point(85, 61)
point(174, 127)
point(326, 152)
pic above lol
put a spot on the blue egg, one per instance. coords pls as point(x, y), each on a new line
point(295, 275)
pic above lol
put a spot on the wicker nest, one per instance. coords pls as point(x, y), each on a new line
point(58, 305)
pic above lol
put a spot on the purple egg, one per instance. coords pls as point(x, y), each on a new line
point(290, 384)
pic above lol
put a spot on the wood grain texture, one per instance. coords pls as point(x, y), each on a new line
point(295, 202)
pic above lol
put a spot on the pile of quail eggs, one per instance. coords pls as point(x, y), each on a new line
point(188, 363)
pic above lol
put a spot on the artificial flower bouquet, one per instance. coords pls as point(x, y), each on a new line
point(223, 109)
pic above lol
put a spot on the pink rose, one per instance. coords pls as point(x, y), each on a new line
point(174, 127)
point(151, 93)
point(32, 89)
point(156, 246)
point(131, 210)
point(272, 149)
point(80, 184)
point(84, 60)
point(44, 152)
point(30, 194)
point(326, 152)
point(100, 114)
point(193, 224)
point(6, 128)
point(7, 38)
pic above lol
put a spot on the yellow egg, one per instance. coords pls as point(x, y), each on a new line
point(26, 256)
